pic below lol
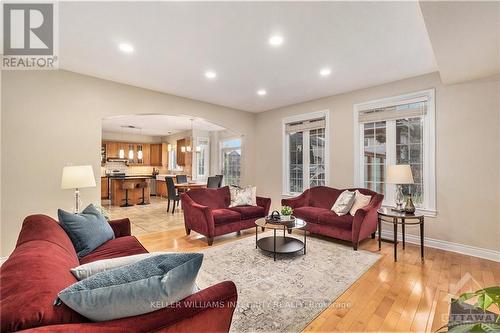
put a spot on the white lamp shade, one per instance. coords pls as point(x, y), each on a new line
point(78, 176)
point(399, 174)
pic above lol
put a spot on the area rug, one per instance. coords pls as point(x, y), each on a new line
point(287, 294)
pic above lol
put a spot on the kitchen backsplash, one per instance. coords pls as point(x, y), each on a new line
point(129, 170)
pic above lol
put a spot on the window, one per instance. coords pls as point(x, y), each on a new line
point(305, 152)
point(397, 130)
point(202, 158)
point(231, 161)
point(172, 159)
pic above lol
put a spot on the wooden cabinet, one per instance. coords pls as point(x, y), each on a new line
point(104, 188)
point(111, 149)
point(146, 154)
point(155, 154)
point(161, 188)
point(183, 158)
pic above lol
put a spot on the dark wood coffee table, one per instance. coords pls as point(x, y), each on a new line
point(280, 244)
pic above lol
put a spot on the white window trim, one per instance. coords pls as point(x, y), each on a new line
point(286, 157)
point(197, 157)
point(220, 165)
point(429, 142)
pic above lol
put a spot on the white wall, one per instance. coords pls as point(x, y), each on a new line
point(467, 153)
point(129, 137)
point(51, 118)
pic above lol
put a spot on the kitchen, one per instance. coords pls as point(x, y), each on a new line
point(139, 152)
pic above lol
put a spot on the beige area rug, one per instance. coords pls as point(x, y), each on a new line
point(287, 294)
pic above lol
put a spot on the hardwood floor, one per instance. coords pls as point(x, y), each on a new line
point(403, 296)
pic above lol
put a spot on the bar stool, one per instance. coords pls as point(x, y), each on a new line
point(127, 186)
point(144, 184)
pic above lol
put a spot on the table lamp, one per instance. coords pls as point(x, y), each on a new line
point(399, 174)
point(77, 177)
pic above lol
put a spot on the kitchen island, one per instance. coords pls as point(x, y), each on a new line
point(117, 194)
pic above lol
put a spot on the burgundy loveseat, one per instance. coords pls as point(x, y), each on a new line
point(39, 268)
point(207, 212)
point(314, 206)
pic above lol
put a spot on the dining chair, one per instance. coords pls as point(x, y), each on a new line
point(181, 179)
point(171, 193)
point(213, 182)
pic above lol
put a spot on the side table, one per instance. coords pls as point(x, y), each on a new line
point(403, 219)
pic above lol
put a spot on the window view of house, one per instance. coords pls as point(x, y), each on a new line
point(231, 161)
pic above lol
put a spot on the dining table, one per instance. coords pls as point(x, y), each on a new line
point(189, 186)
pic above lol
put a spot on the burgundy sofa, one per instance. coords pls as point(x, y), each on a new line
point(314, 207)
point(39, 268)
point(207, 212)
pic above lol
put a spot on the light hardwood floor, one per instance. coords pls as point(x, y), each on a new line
point(403, 296)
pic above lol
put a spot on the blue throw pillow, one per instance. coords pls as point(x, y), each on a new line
point(87, 230)
point(135, 289)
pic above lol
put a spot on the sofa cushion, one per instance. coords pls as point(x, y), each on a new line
point(118, 247)
point(332, 219)
point(250, 212)
point(323, 197)
point(211, 197)
point(87, 230)
point(29, 282)
point(223, 216)
point(309, 214)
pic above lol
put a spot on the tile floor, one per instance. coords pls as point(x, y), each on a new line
point(148, 219)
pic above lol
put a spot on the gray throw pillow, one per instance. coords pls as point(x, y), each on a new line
point(87, 230)
point(344, 202)
point(135, 289)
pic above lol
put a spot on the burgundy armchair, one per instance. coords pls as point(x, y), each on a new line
point(314, 206)
point(40, 266)
point(207, 212)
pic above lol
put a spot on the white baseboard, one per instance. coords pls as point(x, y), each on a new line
point(447, 246)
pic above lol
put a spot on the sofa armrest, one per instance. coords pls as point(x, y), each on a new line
point(365, 219)
point(120, 227)
point(264, 203)
point(197, 217)
point(209, 310)
point(299, 201)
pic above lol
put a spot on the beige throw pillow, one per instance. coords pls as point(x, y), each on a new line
point(243, 196)
point(360, 201)
point(344, 202)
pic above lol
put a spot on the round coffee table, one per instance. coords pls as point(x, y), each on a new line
point(280, 244)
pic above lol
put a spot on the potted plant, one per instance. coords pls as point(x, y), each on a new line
point(467, 318)
point(286, 213)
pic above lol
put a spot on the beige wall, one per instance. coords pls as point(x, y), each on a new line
point(467, 153)
point(51, 118)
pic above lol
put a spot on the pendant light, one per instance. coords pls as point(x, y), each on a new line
point(121, 151)
point(139, 147)
point(197, 148)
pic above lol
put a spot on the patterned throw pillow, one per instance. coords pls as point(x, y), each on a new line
point(344, 202)
point(360, 201)
point(145, 286)
point(243, 196)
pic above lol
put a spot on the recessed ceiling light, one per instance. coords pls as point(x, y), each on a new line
point(325, 72)
point(276, 40)
point(210, 74)
point(261, 92)
point(127, 48)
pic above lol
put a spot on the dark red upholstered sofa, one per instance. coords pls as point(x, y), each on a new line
point(39, 268)
point(207, 212)
point(314, 206)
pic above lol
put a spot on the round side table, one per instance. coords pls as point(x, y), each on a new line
point(403, 219)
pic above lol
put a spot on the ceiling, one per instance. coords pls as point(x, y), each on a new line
point(155, 125)
point(364, 44)
point(465, 37)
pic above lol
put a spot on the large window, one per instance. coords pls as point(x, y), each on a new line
point(202, 158)
point(397, 130)
point(305, 152)
point(231, 161)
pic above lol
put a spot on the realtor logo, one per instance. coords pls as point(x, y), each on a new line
point(29, 36)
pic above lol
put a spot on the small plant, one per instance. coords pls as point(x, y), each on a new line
point(286, 210)
point(486, 298)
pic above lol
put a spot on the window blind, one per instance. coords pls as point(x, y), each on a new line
point(306, 125)
point(394, 112)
